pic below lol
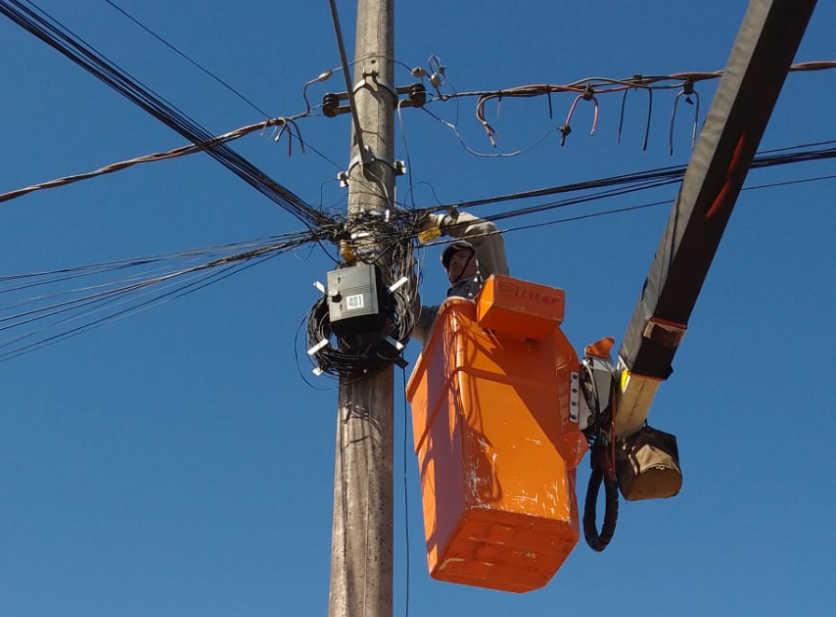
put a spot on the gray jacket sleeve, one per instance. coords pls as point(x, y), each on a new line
point(490, 251)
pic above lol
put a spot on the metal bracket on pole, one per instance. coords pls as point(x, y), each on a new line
point(383, 84)
point(416, 96)
point(398, 166)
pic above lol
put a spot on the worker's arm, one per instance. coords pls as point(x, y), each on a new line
point(490, 251)
point(488, 242)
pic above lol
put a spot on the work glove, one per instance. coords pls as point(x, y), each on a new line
point(429, 227)
point(429, 220)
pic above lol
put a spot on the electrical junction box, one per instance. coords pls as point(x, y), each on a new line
point(357, 300)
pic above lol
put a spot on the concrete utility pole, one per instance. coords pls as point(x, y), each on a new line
point(361, 550)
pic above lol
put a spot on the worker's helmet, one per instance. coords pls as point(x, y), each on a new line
point(455, 247)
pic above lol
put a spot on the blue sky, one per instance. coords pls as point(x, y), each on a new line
point(176, 463)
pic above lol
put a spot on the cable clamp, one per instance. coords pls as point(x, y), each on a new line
point(383, 84)
point(397, 166)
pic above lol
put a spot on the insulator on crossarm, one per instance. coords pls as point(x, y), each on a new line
point(417, 94)
point(330, 102)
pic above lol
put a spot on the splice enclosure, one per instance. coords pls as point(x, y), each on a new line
point(496, 445)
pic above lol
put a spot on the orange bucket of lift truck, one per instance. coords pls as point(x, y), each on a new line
point(495, 419)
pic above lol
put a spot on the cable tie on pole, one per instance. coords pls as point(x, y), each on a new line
point(318, 346)
point(398, 284)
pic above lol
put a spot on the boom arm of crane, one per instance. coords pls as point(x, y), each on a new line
point(763, 51)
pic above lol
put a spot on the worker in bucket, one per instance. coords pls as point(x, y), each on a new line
point(477, 253)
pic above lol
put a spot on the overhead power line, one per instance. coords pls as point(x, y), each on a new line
point(767, 158)
point(281, 124)
point(64, 40)
point(358, 130)
point(117, 289)
point(588, 89)
point(609, 212)
point(188, 59)
point(666, 175)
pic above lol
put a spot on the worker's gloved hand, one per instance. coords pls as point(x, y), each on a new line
point(428, 221)
point(443, 221)
point(429, 227)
